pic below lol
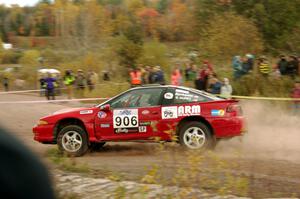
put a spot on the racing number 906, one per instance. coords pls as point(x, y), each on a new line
point(126, 121)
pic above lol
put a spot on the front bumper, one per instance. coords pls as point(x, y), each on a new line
point(43, 133)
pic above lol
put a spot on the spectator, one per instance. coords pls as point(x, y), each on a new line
point(209, 66)
point(5, 83)
point(202, 81)
point(135, 77)
point(144, 77)
point(180, 77)
point(247, 64)
point(159, 77)
point(105, 76)
point(50, 87)
point(292, 66)
point(187, 71)
point(263, 66)
point(298, 66)
point(215, 85)
point(296, 95)
point(237, 67)
point(193, 73)
point(58, 84)
point(92, 79)
point(69, 80)
point(282, 65)
point(250, 61)
point(176, 77)
point(226, 89)
point(151, 75)
point(80, 82)
point(42, 85)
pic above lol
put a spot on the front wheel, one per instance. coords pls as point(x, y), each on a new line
point(73, 140)
point(196, 135)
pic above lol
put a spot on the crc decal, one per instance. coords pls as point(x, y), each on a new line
point(168, 95)
point(86, 112)
point(169, 112)
point(104, 125)
point(189, 110)
point(142, 129)
point(102, 114)
point(220, 112)
point(125, 118)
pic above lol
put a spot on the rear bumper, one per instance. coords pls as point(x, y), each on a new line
point(43, 133)
point(229, 127)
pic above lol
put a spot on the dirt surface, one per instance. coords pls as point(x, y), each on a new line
point(268, 155)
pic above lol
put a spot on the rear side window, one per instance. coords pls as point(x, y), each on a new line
point(181, 96)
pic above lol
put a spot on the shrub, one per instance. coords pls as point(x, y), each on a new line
point(155, 53)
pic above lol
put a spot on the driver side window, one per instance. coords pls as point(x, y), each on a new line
point(138, 98)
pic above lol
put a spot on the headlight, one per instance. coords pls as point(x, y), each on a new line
point(42, 122)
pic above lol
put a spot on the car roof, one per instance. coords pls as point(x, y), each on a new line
point(208, 95)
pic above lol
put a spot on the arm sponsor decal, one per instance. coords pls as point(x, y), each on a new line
point(173, 112)
point(189, 110)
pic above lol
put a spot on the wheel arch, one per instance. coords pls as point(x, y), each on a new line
point(68, 121)
point(194, 119)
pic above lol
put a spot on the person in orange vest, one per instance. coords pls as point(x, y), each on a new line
point(135, 77)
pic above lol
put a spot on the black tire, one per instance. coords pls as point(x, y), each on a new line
point(79, 133)
point(96, 146)
point(208, 143)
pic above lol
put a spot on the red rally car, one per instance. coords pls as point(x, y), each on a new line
point(195, 118)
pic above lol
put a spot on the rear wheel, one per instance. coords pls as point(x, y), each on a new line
point(73, 140)
point(196, 135)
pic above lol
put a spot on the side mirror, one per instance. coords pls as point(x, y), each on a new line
point(105, 107)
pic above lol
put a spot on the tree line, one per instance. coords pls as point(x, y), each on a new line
point(217, 27)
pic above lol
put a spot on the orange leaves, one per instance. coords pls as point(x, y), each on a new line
point(148, 13)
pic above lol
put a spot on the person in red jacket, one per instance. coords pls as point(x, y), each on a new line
point(296, 95)
point(135, 77)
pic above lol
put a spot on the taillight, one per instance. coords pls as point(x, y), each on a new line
point(235, 109)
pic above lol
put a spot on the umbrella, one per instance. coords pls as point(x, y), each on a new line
point(49, 70)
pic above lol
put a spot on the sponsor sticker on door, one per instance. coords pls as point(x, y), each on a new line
point(125, 118)
point(169, 112)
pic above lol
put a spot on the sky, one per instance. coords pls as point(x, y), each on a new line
point(19, 2)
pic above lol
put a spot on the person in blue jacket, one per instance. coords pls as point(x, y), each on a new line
point(50, 87)
point(237, 67)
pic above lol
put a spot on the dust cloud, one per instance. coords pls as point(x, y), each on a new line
point(273, 133)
